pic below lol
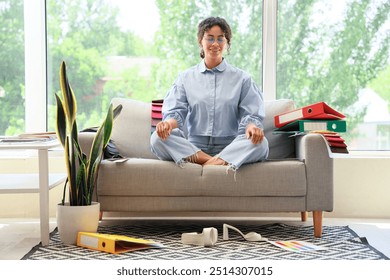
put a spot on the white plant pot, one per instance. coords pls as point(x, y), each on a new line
point(72, 219)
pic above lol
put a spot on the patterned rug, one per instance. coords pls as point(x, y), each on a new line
point(340, 241)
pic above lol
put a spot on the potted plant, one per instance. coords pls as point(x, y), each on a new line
point(81, 170)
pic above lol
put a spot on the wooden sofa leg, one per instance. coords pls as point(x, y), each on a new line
point(304, 216)
point(317, 221)
point(100, 215)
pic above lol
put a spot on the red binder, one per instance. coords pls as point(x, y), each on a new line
point(155, 121)
point(156, 108)
point(337, 144)
point(158, 102)
point(319, 110)
point(156, 115)
point(335, 141)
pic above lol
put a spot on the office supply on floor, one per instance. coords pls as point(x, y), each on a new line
point(113, 243)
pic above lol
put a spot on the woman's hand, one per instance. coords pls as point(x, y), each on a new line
point(254, 133)
point(164, 129)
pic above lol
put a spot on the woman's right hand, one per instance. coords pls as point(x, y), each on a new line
point(163, 129)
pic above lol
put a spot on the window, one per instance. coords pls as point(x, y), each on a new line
point(338, 52)
point(333, 51)
point(113, 50)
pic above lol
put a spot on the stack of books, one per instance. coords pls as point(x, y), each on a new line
point(156, 113)
point(315, 118)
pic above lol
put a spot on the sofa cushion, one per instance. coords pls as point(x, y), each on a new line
point(131, 131)
point(148, 177)
point(280, 145)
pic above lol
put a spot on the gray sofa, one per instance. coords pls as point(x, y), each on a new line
point(297, 177)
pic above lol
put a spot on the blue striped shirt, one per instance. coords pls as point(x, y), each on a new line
point(219, 102)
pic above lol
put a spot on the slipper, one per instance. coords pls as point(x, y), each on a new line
point(207, 238)
point(251, 236)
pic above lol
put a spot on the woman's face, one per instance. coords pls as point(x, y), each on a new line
point(213, 43)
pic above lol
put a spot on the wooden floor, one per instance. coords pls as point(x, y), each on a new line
point(18, 236)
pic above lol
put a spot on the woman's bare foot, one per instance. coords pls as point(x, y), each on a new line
point(199, 158)
point(215, 161)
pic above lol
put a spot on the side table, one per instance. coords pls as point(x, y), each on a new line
point(34, 183)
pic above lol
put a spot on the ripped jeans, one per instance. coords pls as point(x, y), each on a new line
point(236, 151)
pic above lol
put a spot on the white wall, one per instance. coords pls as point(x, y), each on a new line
point(27, 205)
point(362, 188)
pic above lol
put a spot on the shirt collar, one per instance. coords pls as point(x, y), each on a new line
point(221, 67)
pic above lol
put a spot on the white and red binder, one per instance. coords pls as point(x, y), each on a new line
point(319, 110)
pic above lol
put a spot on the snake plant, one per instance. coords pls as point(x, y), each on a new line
point(81, 170)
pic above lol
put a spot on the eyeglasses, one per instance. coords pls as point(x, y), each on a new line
point(211, 40)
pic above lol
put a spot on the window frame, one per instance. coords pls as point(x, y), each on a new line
point(35, 65)
point(269, 48)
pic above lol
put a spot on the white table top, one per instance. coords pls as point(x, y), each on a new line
point(36, 144)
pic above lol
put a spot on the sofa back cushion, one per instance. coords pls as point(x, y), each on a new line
point(280, 145)
point(132, 128)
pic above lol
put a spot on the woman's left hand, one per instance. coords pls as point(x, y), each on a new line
point(254, 133)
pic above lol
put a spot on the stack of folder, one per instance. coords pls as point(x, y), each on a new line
point(336, 142)
point(315, 118)
point(156, 113)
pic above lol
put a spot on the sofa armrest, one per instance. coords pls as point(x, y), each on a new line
point(314, 151)
point(85, 141)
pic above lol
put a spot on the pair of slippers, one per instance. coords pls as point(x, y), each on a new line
point(209, 236)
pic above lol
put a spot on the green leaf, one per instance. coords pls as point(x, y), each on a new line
point(117, 110)
point(68, 169)
point(108, 126)
point(61, 121)
point(93, 175)
point(73, 167)
point(95, 154)
point(68, 95)
point(82, 186)
point(64, 192)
